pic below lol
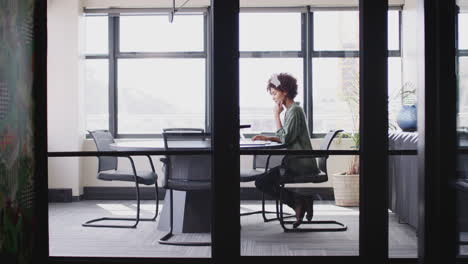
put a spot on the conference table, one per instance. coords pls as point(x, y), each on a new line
point(192, 209)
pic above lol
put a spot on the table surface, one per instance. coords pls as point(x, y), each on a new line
point(158, 144)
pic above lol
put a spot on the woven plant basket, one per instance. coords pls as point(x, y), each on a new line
point(346, 189)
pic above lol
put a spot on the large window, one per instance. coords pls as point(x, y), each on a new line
point(153, 74)
point(335, 69)
point(158, 93)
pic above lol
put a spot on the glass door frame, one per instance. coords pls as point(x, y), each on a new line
point(437, 143)
point(438, 137)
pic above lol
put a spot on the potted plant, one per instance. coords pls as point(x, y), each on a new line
point(402, 108)
point(346, 184)
point(407, 116)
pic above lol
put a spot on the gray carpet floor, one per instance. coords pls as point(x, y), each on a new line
point(68, 238)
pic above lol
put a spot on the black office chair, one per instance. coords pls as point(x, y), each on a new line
point(290, 178)
point(259, 168)
point(107, 171)
point(180, 130)
point(185, 173)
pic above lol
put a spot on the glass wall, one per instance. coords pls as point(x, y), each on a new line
point(139, 82)
point(319, 49)
point(329, 95)
point(138, 75)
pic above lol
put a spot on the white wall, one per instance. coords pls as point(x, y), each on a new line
point(64, 93)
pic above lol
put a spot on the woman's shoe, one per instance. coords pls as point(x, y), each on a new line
point(309, 209)
point(300, 210)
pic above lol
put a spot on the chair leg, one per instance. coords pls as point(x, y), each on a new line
point(165, 239)
point(338, 226)
point(136, 219)
point(265, 219)
point(156, 193)
point(265, 212)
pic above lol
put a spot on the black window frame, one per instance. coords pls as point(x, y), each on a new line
point(307, 53)
point(309, 101)
point(114, 54)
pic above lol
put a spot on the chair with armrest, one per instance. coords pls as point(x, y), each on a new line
point(288, 178)
point(181, 130)
point(107, 171)
point(185, 173)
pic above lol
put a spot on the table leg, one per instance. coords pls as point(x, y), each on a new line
point(192, 212)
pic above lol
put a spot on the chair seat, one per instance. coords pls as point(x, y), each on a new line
point(250, 175)
point(188, 185)
point(308, 178)
point(144, 177)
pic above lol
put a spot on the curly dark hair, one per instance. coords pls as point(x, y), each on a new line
point(288, 84)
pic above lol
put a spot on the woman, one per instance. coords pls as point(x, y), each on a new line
point(295, 135)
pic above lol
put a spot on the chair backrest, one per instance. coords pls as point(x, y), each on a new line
point(187, 168)
point(259, 161)
point(327, 140)
point(103, 139)
point(183, 129)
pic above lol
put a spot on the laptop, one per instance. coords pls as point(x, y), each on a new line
point(248, 141)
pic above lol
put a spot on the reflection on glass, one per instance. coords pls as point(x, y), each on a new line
point(270, 31)
point(97, 94)
point(159, 93)
point(96, 28)
point(256, 104)
point(185, 33)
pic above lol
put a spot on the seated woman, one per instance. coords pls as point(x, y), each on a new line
point(295, 135)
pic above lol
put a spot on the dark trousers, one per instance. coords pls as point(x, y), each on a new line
point(268, 183)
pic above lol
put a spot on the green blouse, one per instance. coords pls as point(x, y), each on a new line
point(295, 135)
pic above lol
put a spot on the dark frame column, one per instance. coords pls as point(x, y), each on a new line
point(41, 236)
point(373, 111)
point(437, 136)
point(225, 128)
